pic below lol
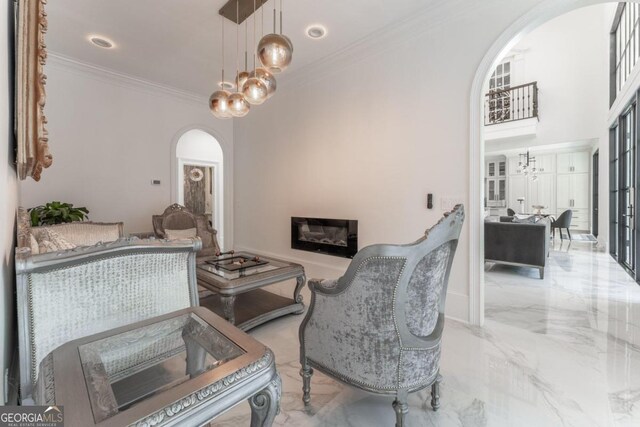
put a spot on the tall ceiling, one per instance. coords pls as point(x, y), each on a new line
point(178, 42)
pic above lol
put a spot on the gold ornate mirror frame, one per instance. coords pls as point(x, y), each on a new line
point(33, 143)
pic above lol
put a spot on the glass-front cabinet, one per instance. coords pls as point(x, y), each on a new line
point(496, 182)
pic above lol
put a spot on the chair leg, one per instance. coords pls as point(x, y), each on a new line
point(435, 393)
point(554, 233)
point(306, 372)
point(401, 407)
point(569, 233)
point(541, 270)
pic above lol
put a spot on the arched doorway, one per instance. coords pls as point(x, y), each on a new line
point(540, 14)
point(200, 176)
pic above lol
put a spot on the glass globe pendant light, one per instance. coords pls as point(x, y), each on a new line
point(262, 73)
point(268, 79)
point(254, 90)
point(275, 50)
point(238, 105)
point(219, 100)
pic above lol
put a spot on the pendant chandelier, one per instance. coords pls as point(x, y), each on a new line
point(274, 52)
point(528, 165)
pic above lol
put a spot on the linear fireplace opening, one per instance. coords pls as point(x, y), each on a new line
point(338, 237)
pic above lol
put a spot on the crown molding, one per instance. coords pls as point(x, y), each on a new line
point(66, 63)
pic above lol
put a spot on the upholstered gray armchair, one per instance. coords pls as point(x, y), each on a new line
point(379, 326)
point(177, 217)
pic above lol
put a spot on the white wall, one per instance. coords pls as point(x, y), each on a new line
point(569, 58)
point(110, 136)
point(8, 201)
point(366, 135)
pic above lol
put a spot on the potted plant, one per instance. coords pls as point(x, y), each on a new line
point(57, 213)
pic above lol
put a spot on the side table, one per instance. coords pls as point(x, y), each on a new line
point(184, 368)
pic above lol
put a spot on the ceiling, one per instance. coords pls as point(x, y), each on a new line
point(178, 42)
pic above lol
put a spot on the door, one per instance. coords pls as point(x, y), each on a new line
point(546, 163)
point(564, 163)
point(491, 190)
point(595, 199)
point(564, 193)
point(542, 193)
point(580, 162)
point(491, 169)
point(626, 251)
point(502, 168)
point(502, 190)
point(579, 188)
point(198, 189)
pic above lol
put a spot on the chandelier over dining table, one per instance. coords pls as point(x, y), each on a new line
point(273, 52)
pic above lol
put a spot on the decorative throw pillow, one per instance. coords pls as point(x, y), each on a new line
point(33, 245)
point(47, 246)
point(55, 242)
point(187, 233)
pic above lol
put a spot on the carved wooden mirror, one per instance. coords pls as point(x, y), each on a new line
point(32, 154)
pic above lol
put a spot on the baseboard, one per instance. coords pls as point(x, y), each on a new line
point(457, 307)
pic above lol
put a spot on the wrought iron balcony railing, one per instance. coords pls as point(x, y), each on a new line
point(509, 105)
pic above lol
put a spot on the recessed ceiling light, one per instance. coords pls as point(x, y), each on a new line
point(226, 85)
point(102, 42)
point(316, 31)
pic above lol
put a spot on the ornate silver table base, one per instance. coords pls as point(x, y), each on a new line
point(243, 301)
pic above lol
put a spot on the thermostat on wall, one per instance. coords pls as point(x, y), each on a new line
point(155, 182)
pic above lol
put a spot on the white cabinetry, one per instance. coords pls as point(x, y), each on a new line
point(542, 192)
point(546, 163)
point(517, 189)
point(574, 162)
point(573, 193)
point(563, 182)
point(496, 183)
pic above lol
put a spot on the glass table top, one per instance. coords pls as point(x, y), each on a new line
point(127, 368)
point(231, 267)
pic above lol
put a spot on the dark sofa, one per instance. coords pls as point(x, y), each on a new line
point(521, 244)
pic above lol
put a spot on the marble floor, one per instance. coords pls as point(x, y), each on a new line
point(563, 351)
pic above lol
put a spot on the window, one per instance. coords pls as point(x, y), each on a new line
point(501, 77)
point(499, 95)
point(623, 180)
point(626, 36)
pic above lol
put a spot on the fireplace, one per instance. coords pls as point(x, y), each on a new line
point(338, 237)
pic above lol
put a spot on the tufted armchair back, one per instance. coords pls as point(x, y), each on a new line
point(379, 326)
point(68, 295)
point(177, 217)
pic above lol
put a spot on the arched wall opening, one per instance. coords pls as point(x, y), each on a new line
point(539, 15)
point(199, 177)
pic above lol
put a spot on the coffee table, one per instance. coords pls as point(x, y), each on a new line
point(184, 368)
point(238, 293)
